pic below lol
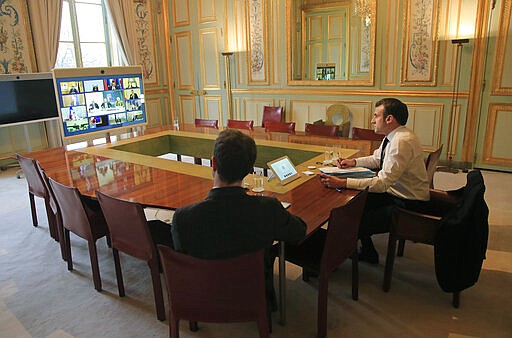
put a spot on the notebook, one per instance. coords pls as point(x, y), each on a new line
point(284, 169)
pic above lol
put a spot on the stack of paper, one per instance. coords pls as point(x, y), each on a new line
point(354, 172)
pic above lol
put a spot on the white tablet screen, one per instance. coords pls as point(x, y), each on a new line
point(284, 169)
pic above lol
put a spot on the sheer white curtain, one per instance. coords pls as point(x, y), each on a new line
point(119, 12)
point(45, 17)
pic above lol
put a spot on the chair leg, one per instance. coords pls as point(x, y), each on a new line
point(33, 208)
point(174, 328)
point(305, 275)
point(94, 265)
point(193, 326)
point(322, 306)
point(119, 272)
point(401, 247)
point(51, 221)
point(456, 299)
point(390, 260)
point(355, 275)
point(60, 233)
point(67, 245)
point(157, 289)
point(264, 326)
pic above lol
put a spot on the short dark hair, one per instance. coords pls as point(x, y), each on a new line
point(396, 108)
point(234, 153)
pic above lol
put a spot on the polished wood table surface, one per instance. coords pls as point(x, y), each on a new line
point(153, 186)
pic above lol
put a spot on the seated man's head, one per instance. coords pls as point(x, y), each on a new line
point(389, 114)
point(234, 154)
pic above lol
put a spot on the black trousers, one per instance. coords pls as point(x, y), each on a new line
point(160, 232)
point(377, 213)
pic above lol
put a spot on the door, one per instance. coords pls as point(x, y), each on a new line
point(196, 45)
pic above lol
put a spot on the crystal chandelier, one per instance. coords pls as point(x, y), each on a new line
point(363, 9)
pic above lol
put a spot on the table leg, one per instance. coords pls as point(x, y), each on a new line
point(282, 285)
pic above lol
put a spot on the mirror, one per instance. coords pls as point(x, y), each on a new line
point(331, 43)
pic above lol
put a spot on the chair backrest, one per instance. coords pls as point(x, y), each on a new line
point(273, 114)
point(342, 231)
point(214, 290)
point(72, 211)
point(339, 114)
point(239, 124)
point(321, 130)
point(31, 171)
point(127, 226)
point(431, 165)
point(280, 127)
point(366, 134)
point(203, 123)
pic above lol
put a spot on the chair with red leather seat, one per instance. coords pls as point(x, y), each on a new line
point(84, 218)
point(239, 124)
point(366, 134)
point(215, 290)
point(273, 114)
point(204, 123)
point(322, 252)
point(131, 234)
point(321, 130)
point(280, 127)
point(37, 187)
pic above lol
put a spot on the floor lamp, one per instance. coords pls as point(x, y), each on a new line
point(227, 60)
point(450, 151)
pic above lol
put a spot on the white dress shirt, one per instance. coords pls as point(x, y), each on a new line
point(403, 172)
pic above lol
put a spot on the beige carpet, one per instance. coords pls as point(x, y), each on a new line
point(40, 298)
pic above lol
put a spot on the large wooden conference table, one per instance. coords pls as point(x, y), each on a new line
point(129, 168)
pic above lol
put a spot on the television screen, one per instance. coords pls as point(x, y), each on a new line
point(27, 98)
point(99, 99)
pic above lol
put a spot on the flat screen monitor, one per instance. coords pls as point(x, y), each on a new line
point(27, 98)
point(99, 99)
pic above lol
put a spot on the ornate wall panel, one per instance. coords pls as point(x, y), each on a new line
point(210, 67)
point(183, 54)
point(419, 58)
point(307, 111)
point(502, 75)
point(257, 56)
point(425, 120)
point(16, 47)
point(391, 56)
point(181, 13)
point(187, 108)
point(213, 108)
point(154, 112)
point(207, 11)
point(252, 108)
point(497, 149)
point(142, 18)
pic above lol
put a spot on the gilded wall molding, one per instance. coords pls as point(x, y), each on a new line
point(503, 69)
point(345, 92)
point(493, 132)
point(180, 7)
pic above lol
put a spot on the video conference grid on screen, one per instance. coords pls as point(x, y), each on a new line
point(100, 102)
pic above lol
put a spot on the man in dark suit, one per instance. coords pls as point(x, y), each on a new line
point(229, 222)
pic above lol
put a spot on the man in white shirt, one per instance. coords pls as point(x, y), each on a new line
point(401, 179)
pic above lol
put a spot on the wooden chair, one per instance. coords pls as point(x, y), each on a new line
point(431, 164)
point(130, 233)
point(273, 114)
point(367, 134)
point(339, 114)
point(321, 130)
point(203, 123)
point(447, 208)
point(280, 127)
point(212, 290)
point(322, 252)
point(239, 124)
point(83, 217)
point(37, 187)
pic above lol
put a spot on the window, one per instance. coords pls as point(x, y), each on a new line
point(87, 38)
